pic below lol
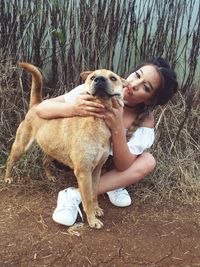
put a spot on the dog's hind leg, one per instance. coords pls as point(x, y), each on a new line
point(21, 144)
point(84, 179)
point(47, 160)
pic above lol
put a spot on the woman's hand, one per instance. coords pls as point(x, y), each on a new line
point(114, 117)
point(86, 106)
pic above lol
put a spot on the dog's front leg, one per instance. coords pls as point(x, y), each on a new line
point(95, 184)
point(84, 179)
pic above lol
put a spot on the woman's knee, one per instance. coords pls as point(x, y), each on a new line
point(149, 161)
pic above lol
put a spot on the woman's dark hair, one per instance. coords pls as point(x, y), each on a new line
point(168, 78)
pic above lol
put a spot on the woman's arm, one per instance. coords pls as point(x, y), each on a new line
point(122, 156)
point(54, 108)
point(84, 105)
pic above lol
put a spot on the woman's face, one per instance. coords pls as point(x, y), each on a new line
point(143, 84)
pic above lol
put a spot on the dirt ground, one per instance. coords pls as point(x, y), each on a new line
point(147, 233)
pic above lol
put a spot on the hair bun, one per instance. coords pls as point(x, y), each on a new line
point(169, 87)
point(161, 63)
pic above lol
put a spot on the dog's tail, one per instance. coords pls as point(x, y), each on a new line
point(37, 83)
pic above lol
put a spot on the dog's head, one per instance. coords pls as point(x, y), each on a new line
point(104, 84)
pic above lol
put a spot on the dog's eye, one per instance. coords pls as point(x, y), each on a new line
point(113, 78)
point(92, 78)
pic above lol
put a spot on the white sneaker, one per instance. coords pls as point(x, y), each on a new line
point(119, 197)
point(67, 208)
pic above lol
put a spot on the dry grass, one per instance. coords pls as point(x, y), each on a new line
point(177, 151)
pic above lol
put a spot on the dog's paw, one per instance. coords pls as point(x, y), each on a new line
point(8, 180)
point(96, 223)
point(99, 211)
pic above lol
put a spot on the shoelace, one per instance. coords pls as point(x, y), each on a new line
point(79, 211)
point(76, 205)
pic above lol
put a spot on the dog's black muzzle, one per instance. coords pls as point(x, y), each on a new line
point(101, 89)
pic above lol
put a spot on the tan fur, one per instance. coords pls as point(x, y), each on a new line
point(82, 143)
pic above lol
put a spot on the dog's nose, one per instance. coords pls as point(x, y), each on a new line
point(99, 79)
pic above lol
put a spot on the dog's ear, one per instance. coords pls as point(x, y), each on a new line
point(85, 74)
point(124, 82)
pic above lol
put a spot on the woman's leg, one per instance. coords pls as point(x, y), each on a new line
point(143, 165)
point(69, 199)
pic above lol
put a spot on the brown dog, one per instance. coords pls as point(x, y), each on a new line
point(82, 143)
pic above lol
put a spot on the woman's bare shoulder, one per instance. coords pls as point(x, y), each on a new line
point(149, 121)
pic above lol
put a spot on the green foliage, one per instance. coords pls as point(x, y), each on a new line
point(55, 2)
point(59, 35)
point(2, 160)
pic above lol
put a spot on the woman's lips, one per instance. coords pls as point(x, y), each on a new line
point(129, 90)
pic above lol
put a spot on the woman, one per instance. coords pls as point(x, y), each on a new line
point(150, 84)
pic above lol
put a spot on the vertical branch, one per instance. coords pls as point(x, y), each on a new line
point(54, 62)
